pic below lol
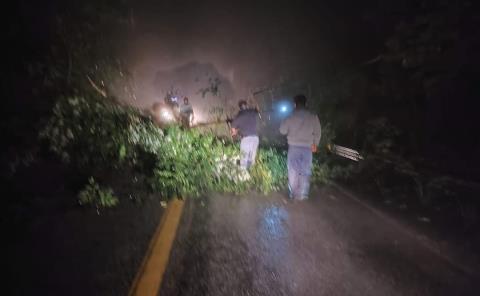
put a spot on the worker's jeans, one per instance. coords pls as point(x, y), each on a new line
point(299, 165)
point(248, 150)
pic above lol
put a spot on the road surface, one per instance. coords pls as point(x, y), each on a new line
point(328, 245)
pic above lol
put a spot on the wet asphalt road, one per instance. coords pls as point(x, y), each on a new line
point(328, 245)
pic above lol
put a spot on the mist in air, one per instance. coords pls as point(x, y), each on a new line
point(243, 45)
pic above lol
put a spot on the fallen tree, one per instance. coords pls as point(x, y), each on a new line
point(98, 136)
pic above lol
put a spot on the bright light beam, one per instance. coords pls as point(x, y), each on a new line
point(283, 108)
point(166, 115)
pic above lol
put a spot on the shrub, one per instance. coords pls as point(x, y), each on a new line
point(97, 196)
point(96, 132)
point(270, 170)
point(189, 164)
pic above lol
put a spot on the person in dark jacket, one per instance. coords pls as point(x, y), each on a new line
point(245, 125)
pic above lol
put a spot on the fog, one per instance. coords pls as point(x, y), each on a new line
point(247, 45)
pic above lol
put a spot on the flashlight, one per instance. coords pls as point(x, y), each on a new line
point(284, 108)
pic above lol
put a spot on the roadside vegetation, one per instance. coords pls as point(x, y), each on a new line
point(96, 136)
point(408, 109)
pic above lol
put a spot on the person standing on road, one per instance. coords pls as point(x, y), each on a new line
point(303, 132)
point(186, 113)
point(245, 125)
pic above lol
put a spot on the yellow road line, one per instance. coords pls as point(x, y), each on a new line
point(149, 277)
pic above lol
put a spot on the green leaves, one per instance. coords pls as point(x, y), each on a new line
point(97, 196)
point(92, 131)
point(122, 152)
point(98, 135)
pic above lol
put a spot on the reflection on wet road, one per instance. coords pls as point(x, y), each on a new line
point(272, 223)
point(328, 245)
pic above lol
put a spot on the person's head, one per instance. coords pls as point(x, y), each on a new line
point(185, 100)
point(300, 101)
point(242, 104)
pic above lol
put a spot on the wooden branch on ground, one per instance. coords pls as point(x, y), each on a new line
point(97, 88)
point(374, 60)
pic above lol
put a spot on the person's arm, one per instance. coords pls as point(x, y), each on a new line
point(190, 112)
point(284, 126)
point(234, 125)
point(317, 130)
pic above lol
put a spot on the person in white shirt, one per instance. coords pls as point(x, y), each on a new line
point(303, 132)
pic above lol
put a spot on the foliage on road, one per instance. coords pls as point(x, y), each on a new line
point(95, 195)
point(97, 135)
